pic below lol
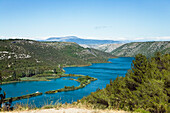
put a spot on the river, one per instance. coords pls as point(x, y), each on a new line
point(102, 71)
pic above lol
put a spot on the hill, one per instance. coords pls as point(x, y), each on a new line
point(145, 48)
point(38, 56)
point(80, 40)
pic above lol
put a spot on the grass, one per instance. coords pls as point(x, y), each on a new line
point(34, 79)
point(58, 106)
point(44, 77)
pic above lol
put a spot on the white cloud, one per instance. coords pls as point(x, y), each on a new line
point(167, 38)
point(162, 38)
point(130, 39)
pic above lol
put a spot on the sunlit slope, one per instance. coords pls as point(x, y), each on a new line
point(146, 48)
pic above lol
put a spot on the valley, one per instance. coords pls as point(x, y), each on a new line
point(85, 56)
point(67, 68)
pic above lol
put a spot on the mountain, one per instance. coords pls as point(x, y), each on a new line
point(63, 39)
point(103, 47)
point(80, 40)
point(146, 48)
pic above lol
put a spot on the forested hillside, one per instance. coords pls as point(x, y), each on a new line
point(145, 88)
point(27, 57)
point(146, 48)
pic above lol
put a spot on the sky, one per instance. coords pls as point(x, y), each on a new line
point(92, 19)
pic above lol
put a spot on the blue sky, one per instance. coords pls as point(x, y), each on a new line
point(97, 19)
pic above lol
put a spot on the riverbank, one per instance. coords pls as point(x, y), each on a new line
point(42, 77)
point(87, 64)
point(38, 77)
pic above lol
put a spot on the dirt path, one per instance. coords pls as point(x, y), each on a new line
point(68, 110)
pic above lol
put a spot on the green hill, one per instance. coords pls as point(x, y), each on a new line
point(146, 48)
point(22, 55)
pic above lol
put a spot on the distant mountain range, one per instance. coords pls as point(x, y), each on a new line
point(118, 48)
point(131, 49)
point(80, 40)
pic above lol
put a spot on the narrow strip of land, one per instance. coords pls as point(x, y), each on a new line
point(84, 80)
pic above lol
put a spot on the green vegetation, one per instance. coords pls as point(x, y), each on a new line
point(145, 88)
point(28, 58)
point(45, 76)
point(146, 48)
point(84, 80)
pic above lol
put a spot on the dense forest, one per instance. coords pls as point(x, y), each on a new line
point(145, 88)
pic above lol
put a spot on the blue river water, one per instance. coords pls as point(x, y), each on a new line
point(102, 71)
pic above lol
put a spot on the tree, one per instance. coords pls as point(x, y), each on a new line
point(23, 74)
point(55, 71)
point(139, 68)
point(14, 75)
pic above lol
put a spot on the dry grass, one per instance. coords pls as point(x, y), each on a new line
point(63, 108)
